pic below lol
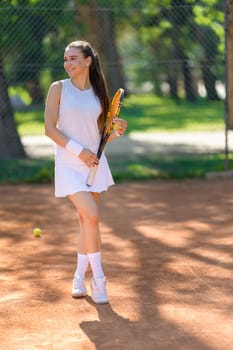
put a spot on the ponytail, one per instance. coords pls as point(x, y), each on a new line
point(97, 78)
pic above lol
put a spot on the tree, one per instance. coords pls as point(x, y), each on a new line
point(171, 46)
point(27, 24)
point(10, 145)
point(24, 24)
point(163, 32)
point(180, 16)
point(98, 19)
point(208, 16)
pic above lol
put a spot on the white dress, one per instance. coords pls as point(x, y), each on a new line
point(78, 115)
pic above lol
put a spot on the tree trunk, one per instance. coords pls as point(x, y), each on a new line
point(190, 92)
point(209, 82)
point(172, 81)
point(229, 61)
point(179, 54)
point(35, 92)
point(173, 67)
point(10, 144)
point(189, 86)
point(101, 34)
point(208, 42)
point(107, 38)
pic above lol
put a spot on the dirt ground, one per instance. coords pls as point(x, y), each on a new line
point(167, 252)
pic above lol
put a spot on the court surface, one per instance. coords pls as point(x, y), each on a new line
point(167, 253)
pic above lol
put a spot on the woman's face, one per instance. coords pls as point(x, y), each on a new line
point(74, 62)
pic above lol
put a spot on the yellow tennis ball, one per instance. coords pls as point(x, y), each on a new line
point(37, 232)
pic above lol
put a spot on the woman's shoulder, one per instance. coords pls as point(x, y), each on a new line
point(56, 86)
point(59, 83)
point(55, 90)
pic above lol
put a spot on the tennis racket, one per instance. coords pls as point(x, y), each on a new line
point(113, 112)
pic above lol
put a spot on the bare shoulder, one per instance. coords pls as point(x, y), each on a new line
point(54, 92)
point(56, 86)
point(57, 83)
point(53, 101)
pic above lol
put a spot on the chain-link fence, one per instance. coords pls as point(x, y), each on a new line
point(173, 50)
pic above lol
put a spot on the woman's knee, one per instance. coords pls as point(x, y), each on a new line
point(87, 208)
point(89, 218)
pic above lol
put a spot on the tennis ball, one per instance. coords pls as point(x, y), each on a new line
point(37, 232)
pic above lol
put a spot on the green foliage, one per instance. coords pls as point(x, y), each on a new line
point(167, 167)
point(20, 91)
point(33, 34)
point(164, 35)
point(29, 171)
point(211, 16)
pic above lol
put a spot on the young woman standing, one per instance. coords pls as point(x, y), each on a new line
point(75, 113)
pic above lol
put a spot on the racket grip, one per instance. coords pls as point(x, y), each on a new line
point(91, 176)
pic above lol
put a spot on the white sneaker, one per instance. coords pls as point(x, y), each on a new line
point(99, 292)
point(78, 288)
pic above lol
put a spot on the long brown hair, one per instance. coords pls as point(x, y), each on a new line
point(97, 78)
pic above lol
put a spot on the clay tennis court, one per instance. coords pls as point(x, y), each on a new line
point(167, 251)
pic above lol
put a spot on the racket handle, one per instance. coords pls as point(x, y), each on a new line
point(91, 176)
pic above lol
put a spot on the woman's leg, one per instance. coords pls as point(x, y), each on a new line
point(86, 204)
point(83, 203)
point(83, 258)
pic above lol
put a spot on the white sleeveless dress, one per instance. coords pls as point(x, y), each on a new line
point(78, 115)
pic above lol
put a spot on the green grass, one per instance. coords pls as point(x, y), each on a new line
point(30, 122)
point(147, 113)
point(152, 113)
point(135, 168)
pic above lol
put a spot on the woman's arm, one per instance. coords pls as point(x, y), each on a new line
point(52, 113)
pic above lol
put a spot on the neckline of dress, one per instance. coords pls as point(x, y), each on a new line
point(86, 90)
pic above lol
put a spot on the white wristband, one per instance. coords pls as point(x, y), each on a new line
point(117, 133)
point(74, 147)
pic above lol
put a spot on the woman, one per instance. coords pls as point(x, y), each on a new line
point(74, 116)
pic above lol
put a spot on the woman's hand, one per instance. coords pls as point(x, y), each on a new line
point(88, 157)
point(120, 126)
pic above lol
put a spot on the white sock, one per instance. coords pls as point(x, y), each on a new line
point(96, 264)
point(82, 265)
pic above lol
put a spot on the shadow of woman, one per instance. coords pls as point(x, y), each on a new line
point(113, 331)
